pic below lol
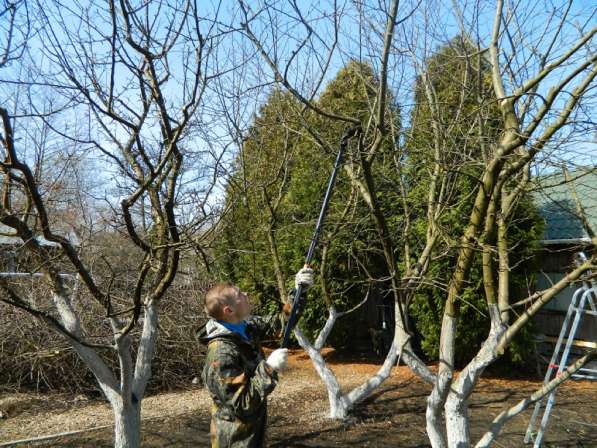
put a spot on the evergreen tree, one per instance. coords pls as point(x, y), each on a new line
point(283, 165)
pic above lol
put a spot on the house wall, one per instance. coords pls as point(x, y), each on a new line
point(555, 262)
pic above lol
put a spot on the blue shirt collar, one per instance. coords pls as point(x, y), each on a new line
point(239, 328)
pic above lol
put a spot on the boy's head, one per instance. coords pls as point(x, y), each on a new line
point(227, 302)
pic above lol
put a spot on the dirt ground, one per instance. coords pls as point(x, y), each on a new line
point(393, 417)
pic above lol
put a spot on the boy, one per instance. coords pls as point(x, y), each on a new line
point(238, 377)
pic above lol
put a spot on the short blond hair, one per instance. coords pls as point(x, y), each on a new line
point(218, 297)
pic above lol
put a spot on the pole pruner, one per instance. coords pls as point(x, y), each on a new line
point(293, 318)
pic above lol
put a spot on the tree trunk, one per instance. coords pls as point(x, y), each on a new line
point(127, 424)
point(338, 405)
point(341, 404)
point(457, 422)
point(434, 425)
point(363, 391)
point(405, 350)
point(437, 398)
point(146, 349)
point(457, 401)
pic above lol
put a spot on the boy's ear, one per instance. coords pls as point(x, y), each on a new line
point(227, 309)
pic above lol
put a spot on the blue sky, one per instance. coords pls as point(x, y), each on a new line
point(239, 92)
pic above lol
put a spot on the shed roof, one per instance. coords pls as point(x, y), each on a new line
point(555, 201)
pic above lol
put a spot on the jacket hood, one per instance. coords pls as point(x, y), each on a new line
point(213, 329)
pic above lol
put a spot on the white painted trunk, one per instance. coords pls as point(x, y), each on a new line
point(124, 398)
point(341, 404)
point(146, 350)
point(338, 406)
point(127, 408)
point(437, 398)
point(434, 423)
point(496, 426)
point(457, 401)
point(363, 391)
point(457, 421)
point(127, 424)
point(92, 360)
point(404, 347)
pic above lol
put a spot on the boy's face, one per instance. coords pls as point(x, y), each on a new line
point(239, 309)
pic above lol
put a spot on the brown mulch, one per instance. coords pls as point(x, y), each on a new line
point(393, 417)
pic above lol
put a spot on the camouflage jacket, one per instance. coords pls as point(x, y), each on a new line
point(238, 381)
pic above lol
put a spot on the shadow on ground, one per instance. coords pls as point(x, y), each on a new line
point(393, 417)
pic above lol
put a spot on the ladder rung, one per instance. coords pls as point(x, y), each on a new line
point(584, 311)
point(584, 369)
point(575, 342)
point(588, 377)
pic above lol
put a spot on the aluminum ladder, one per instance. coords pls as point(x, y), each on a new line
point(581, 305)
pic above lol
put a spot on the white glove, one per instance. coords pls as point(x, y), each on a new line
point(278, 359)
point(304, 277)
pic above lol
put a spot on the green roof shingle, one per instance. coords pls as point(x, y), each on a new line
point(555, 201)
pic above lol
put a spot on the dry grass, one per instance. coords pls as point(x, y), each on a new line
point(395, 416)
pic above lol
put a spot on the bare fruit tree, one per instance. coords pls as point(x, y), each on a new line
point(542, 80)
point(125, 82)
